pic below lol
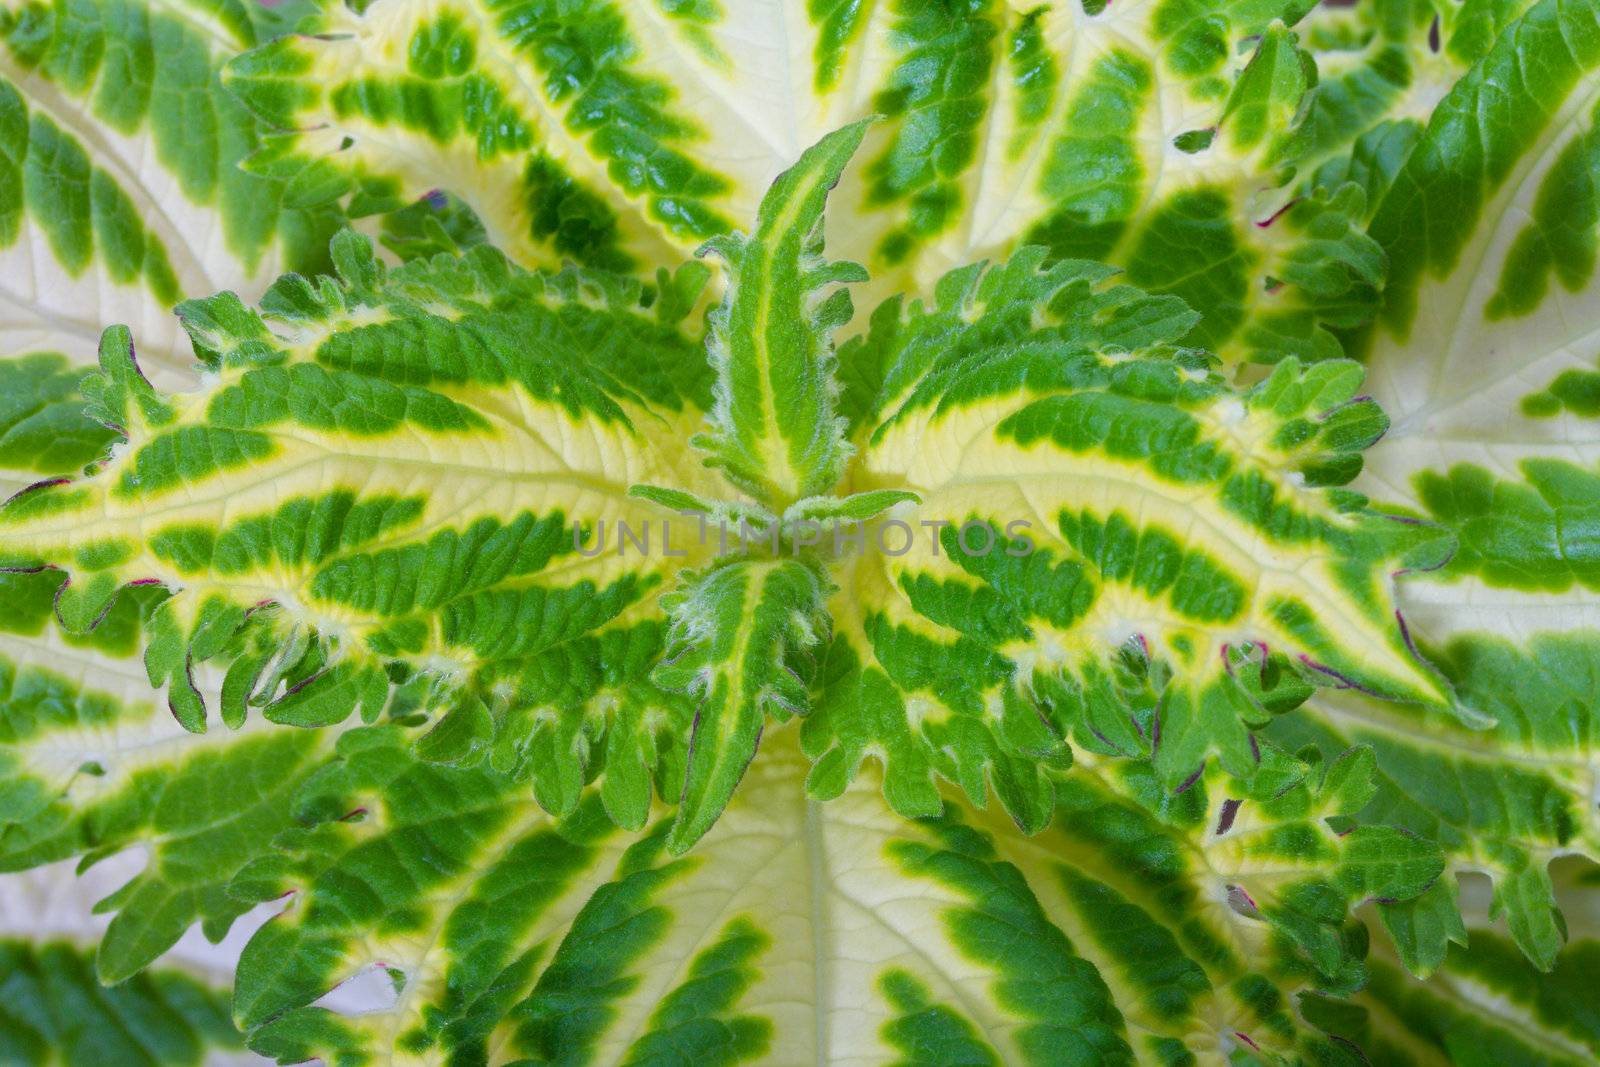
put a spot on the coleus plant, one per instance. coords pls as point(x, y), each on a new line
point(578, 615)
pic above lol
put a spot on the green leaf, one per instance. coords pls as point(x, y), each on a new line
point(1506, 801)
point(43, 429)
point(1382, 68)
point(736, 633)
point(739, 514)
point(1423, 929)
point(1486, 1004)
point(857, 507)
point(55, 1012)
point(1269, 92)
point(774, 433)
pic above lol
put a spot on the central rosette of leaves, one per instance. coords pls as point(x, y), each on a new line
point(742, 626)
point(428, 494)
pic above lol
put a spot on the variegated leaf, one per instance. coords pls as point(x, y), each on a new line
point(736, 631)
point(801, 932)
point(1175, 923)
point(621, 133)
point(1112, 545)
point(1383, 66)
point(1487, 1004)
point(122, 194)
point(91, 764)
point(774, 432)
point(1484, 356)
point(383, 482)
